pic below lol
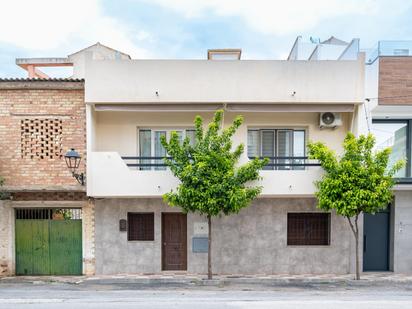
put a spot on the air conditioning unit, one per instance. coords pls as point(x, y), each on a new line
point(330, 120)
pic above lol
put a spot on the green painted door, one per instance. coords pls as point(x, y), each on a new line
point(32, 247)
point(65, 247)
point(48, 247)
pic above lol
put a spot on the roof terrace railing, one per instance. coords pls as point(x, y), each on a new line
point(389, 48)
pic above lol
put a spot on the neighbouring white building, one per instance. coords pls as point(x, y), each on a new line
point(388, 105)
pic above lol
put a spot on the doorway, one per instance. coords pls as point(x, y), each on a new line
point(376, 241)
point(174, 241)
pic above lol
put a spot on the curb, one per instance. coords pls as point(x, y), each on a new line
point(244, 281)
point(198, 282)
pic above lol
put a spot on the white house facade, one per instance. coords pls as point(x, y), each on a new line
point(131, 103)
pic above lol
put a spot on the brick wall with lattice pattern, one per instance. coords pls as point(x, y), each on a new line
point(37, 127)
point(41, 138)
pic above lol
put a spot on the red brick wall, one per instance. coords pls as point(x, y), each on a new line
point(395, 80)
point(49, 196)
point(21, 171)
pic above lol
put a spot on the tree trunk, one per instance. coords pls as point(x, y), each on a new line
point(209, 249)
point(355, 230)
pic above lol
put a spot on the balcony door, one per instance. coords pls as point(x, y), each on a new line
point(277, 143)
point(150, 145)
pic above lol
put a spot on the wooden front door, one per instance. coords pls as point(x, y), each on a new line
point(174, 241)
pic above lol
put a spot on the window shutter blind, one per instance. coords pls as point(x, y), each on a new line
point(159, 149)
point(145, 147)
point(253, 143)
point(284, 148)
point(191, 135)
point(268, 146)
point(299, 148)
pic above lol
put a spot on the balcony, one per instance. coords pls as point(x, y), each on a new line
point(116, 176)
point(275, 163)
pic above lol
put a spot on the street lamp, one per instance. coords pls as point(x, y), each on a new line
point(73, 159)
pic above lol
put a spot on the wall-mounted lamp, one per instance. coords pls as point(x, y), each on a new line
point(73, 159)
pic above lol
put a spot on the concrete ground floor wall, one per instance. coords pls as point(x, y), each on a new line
point(7, 235)
point(401, 246)
point(251, 242)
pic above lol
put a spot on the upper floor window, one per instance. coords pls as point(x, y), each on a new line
point(279, 145)
point(150, 145)
point(395, 134)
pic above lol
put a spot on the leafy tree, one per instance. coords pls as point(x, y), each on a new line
point(212, 183)
point(357, 182)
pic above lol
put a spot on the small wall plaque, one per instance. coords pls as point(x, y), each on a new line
point(200, 228)
point(123, 225)
point(200, 244)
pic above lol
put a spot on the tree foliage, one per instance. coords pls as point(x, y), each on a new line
point(211, 182)
point(357, 182)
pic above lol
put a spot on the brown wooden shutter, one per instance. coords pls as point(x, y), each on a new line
point(140, 226)
point(308, 229)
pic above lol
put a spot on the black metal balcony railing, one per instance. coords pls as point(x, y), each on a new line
point(145, 161)
point(274, 162)
point(289, 161)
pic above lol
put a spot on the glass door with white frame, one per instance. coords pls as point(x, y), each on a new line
point(277, 143)
point(151, 149)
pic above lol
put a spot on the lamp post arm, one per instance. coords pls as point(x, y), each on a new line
point(81, 178)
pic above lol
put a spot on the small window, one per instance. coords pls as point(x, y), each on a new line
point(308, 229)
point(140, 226)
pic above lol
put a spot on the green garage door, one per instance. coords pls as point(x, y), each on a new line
point(48, 241)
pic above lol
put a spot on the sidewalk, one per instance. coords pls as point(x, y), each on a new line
point(184, 279)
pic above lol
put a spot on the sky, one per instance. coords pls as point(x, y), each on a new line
point(264, 29)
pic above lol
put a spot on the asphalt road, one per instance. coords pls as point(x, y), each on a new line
point(129, 296)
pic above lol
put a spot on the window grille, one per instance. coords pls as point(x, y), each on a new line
point(48, 213)
point(308, 229)
point(140, 226)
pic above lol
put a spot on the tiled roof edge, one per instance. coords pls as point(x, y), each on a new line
point(77, 80)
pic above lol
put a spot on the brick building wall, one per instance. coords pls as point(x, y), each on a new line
point(395, 80)
point(5, 237)
point(39, 122)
